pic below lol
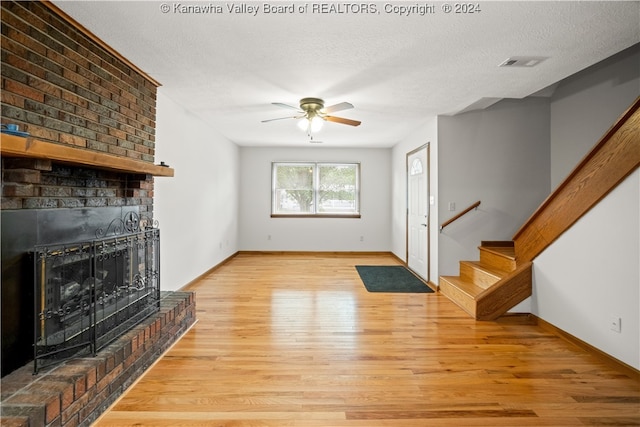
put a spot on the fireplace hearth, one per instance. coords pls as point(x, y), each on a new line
point(87, 293)
point(75, 392)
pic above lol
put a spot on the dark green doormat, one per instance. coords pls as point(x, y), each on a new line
point(391, 278)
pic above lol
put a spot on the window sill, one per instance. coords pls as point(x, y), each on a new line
point(315, 216)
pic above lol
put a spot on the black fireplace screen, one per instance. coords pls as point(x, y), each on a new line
point(89, 293)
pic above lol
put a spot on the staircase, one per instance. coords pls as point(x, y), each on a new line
point(488, 288)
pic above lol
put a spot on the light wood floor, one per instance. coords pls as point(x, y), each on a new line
point(296, 340)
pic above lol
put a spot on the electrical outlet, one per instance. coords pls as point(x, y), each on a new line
point(452, 206)
point(362, 238)
point(615, 323)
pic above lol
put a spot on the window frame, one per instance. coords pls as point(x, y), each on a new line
point(315, 190)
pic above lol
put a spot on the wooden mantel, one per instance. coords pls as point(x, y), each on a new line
point(16, 146)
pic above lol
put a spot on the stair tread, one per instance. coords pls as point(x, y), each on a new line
point(487, 288)
point(505, 251)
point(498, 273)
point(465, 286)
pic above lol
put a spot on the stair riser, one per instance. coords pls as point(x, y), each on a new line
point(497, 261)
point(506, 295)
point(479, 277)
point(463, 300)
point(488, 288)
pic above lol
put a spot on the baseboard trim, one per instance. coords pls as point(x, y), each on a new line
point(319, 253)
point(399, 259)
point(619, 365)
point(209, 271)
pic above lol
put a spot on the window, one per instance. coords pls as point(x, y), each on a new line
point(416, 167)
point(315, 189)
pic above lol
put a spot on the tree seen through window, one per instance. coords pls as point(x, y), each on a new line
point(315, 189)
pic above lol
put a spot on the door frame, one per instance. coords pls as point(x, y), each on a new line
point(407, 177)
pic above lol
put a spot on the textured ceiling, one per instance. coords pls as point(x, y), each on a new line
point(397, 70)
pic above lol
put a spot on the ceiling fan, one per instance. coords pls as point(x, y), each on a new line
point(313, 110)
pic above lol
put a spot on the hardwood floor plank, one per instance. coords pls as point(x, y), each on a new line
point(296, 340)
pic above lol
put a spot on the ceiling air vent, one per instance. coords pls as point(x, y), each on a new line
point(522, 61)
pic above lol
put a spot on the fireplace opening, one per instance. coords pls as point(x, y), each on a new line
point(88, 293)
point(104, 258)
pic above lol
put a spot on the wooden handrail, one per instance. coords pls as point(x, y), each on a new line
point(469, 209)
point(611, 160)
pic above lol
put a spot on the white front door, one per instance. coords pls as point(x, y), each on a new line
point(418, 212)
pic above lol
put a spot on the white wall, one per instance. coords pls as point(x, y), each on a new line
point(427, 133)
point(499, 156)
point(592, 273)
point(314, 234)
point(585, 105)
point(197, 209)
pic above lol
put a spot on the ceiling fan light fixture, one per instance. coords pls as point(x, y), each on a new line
point(315, 123)
point(311, 124)
point(313, 114)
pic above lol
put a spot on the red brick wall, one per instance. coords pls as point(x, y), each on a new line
point(61, 86)
point(41, 184)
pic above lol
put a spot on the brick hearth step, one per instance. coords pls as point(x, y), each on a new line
point(77, 391)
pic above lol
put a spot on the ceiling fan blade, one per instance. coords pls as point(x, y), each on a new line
point(337, 107)
point(280, 104)
point(342, 120)
point(282, 118)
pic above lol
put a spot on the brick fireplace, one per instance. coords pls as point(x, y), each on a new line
point(84, 155)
